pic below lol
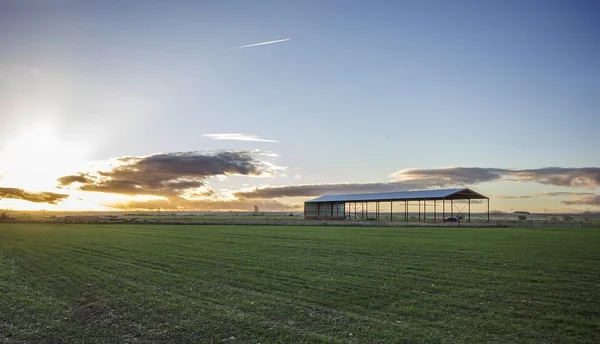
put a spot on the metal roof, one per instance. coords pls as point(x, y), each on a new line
point(463, 193)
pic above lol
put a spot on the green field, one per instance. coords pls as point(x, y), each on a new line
point(251, 284)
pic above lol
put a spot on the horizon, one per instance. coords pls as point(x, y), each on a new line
point(122, 106)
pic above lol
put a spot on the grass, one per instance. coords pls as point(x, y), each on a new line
point(237, 284)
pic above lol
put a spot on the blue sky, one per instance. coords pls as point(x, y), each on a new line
point(361, 90)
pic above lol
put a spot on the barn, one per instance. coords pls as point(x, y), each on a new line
point(433, 205)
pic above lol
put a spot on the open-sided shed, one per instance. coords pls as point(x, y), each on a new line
point(357, 205)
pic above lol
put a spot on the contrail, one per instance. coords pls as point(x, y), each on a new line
point(263, 43)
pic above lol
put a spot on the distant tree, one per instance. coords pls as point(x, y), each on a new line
point(553, 218)
point(587, 215)
point(4, 216)
point(460, 217)
point(567, 217)
point(522, 218)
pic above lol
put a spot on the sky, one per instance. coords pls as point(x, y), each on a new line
point(223, 105)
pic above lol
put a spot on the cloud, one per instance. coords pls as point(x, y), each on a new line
point(177, 180)
point(313, 190)
point(450, 175)
point(215, 205)
point(590, 200)
point(36, 197)
point(546, 194)
point(511, 197)
point(263, 43)
point(167, 174)
point(66, 180)
point(238, 137)
point(417, 179)
point(558, 176)
point(561, 194)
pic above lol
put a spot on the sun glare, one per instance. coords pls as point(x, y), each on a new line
point(36, 156)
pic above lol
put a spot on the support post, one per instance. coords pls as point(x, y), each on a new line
point(451, 208)
point(488, 210)
point(362, 211)
point(424, 210)
point(443, 209)
point(419, 210)
point(469, 210)
point(434, 211)
point(391, 211)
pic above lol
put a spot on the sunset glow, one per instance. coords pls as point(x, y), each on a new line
point(35, 156)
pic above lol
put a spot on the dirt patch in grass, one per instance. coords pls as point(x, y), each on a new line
point(94, 312)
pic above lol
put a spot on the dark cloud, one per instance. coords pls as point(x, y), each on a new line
point(166, 175)
point(313, 190)
point(590, 200)
point(178, 178)
point(451, 175)
point(558, 176)
point(36, 197)
point(66, 180)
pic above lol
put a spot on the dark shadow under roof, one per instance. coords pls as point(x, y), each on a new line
point(453, 194)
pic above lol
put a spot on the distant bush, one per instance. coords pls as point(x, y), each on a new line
point(567, 217)
point(460, 217)
point(5, 217)
point(522, 218)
